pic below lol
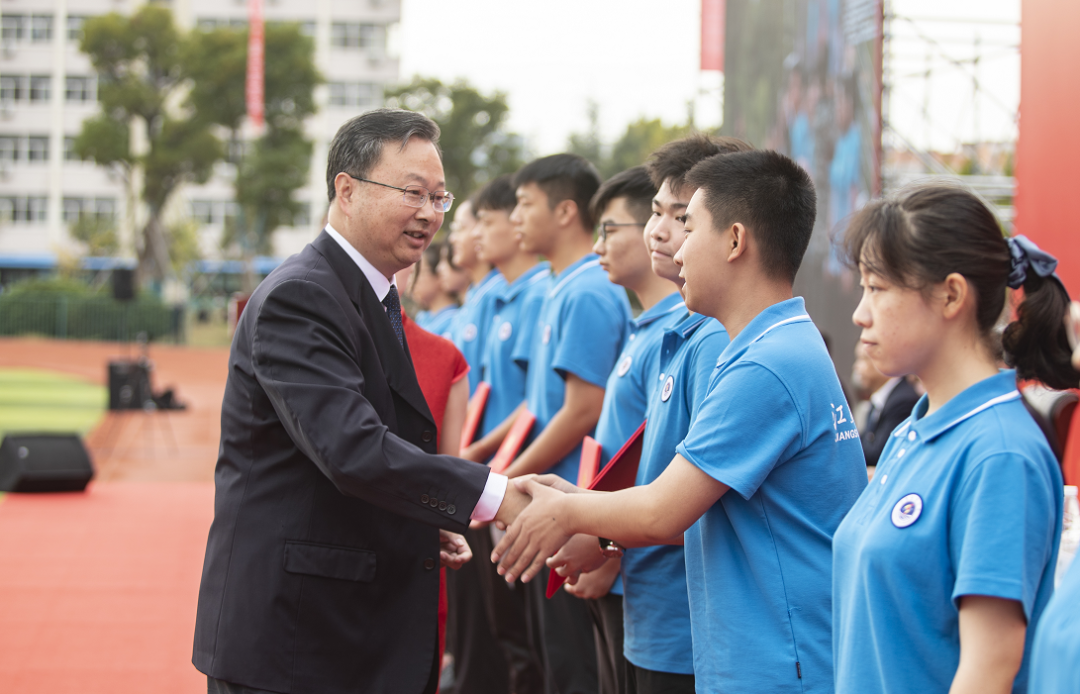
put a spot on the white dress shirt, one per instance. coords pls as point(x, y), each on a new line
point(495, 488)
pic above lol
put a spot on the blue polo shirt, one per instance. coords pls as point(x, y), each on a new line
point(437, 323)
point(776, 429)
point(965, 501)
point(656, 609)
point(633, 381)
point(515, 308)
point(471, 323)
point(583, 324)
point(1056, 652)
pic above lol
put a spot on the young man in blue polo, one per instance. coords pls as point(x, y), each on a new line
point(622, 206)
point(504, 364)
point(582, 326)
point(769, 465)
point(470, 324)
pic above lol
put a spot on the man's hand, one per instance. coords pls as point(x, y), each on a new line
point(553, 481)
point(454, 551)
point(595, 584)
point(512, 504)
point(580, 555)
point(534, 536)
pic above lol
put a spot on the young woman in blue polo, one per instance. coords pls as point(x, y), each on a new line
point(1055, 655)
point(771, 462)
point(943, 567)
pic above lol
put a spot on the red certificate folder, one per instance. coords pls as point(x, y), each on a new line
point(511, 445)
point(619, 473)
point(472, 416)
point(590, 462)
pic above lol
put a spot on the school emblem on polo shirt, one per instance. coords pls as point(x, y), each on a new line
point(505, 331)
point(669, 385)
point(907, 510)
point(624, 365)
point(469, 334)
point(547, 334)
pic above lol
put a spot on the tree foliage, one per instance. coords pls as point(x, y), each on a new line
point(138, 59)
point(640, 139)
point(475, 144)
point(271, 168)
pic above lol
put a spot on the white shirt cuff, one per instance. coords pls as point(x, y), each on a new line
point(491, 499)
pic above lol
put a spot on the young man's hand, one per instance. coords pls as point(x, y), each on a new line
point(595, 584)
point(580, 555)
point(534, 536)
point(454, 551)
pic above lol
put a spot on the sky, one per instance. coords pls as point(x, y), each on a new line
point(639, 58)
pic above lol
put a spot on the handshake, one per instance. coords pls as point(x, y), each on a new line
point(535, 515)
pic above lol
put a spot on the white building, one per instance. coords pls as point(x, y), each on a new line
point(47, 88)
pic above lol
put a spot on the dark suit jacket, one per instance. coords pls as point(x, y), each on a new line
point(897, 408)
point(322, 565)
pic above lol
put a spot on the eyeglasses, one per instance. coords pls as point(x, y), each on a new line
point(417, 196)
point(606, 228)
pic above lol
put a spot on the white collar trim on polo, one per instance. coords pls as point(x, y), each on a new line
point(376, 279)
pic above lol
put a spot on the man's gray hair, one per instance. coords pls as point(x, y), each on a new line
point(358, 145)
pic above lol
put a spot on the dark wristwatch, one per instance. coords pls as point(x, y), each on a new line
point(610, 548)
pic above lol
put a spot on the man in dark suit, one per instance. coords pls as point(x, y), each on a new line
point(321, 570)
point(891, 402)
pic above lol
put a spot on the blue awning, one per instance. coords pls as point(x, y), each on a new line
point(31, 261)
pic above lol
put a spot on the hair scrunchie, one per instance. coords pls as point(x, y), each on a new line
point(1027, 256)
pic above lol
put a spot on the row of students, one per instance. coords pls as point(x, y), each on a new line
point(940, 570)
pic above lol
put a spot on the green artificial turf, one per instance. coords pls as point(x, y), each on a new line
point(33, 400)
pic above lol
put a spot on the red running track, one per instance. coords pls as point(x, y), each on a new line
point(98, 590)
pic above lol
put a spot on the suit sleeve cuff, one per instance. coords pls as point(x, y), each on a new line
point(491, 499)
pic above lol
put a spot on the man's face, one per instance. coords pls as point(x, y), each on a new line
point(622, 253)
point(664, 231)
point(496, 237)
point(703, 259)
point(534, 220)
point(386, 231)
point(464, 249)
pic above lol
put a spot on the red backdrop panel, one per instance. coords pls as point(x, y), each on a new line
point(1048, 152)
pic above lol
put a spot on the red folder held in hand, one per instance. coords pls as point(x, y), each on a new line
point(511, 445)
point(476, 410)
point(619, 473)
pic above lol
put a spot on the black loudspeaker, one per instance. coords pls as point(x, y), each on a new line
point(123, 284)
point(129, 385)
point(44, 463)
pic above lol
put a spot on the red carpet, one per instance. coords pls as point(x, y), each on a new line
point(98, 590)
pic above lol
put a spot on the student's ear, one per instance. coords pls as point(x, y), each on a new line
point(955, 294)
point(566, 212)
point(737, 238)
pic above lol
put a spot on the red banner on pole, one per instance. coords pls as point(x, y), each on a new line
point(712, 34)
point(254, 85)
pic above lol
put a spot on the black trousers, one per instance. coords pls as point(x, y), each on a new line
point(506, 613)
point(607, 616)
point(479, 665)
point(568, 648)
point(642, 681)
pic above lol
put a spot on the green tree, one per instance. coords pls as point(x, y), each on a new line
point(475, 144)
point(140, 71)
point(272, 167)
point(640, 139)
point(98, 234)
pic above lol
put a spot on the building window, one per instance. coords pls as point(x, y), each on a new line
point(37, 149)
point(213, 211)
point(40, 87)
point(80, 89)
point(12, 88)
point(308, 29)
point(13, 27)
point(41, 27)
point(105, 209)
point(72, 209)
point(24, 209)
point(357, 35)
point(75, 27)
point(10, 148)
point(353, 94)
point(69, 150)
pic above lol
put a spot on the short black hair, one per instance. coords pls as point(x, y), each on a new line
point(634, 185)
point(770, 195)
point(563, 177)
point(498, 195)
point(675, 159)
point(358, 145)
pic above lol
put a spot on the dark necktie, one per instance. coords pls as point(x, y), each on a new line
point(393, 312)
